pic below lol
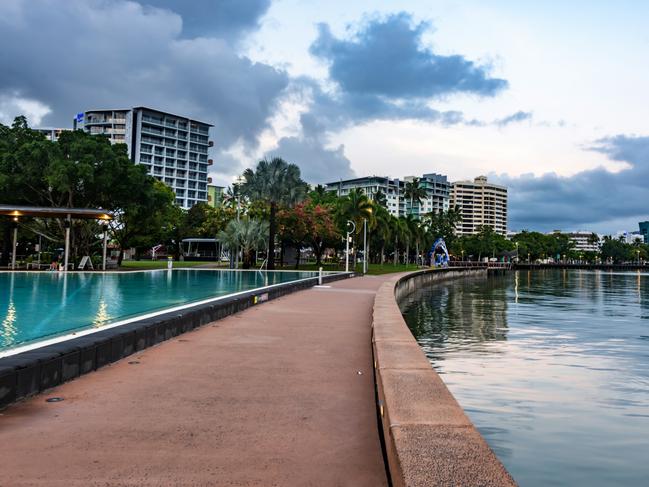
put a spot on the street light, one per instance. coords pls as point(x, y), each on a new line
point(351, 228)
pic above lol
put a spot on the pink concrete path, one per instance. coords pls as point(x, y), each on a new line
point(278, 395)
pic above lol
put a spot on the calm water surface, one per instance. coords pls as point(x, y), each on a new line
point(551, 366)
point(38, 305)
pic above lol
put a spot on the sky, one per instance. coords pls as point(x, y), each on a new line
point(549, 98)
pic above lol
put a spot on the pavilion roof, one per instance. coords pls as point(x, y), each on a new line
point(52, 212)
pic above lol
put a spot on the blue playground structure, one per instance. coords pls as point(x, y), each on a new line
point(441, 258)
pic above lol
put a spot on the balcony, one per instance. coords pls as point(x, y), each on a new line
point(209, 180)
point(210, 143)
point(210, 162)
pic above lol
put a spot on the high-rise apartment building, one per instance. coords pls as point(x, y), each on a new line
point(437, 198)
point(480, 203)
point(173, 148)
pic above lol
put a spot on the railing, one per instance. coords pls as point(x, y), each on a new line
point(471, 263)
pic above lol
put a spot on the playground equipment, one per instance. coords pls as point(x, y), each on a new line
point(439, 259)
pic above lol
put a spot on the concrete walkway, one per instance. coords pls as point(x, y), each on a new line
point(278, 395)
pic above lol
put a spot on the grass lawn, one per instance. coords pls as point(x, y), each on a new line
point(374, 269)
point(158, 264)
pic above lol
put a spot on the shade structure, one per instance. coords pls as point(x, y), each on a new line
point(18, 211)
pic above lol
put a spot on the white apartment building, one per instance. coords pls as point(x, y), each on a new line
point(437, 199)
point(370, 186)
point(51, 134)
point(173, 148)
point(480, 203)
point(436, 185)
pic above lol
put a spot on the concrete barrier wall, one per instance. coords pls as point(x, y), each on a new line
point(28, 373)
point(429, 440)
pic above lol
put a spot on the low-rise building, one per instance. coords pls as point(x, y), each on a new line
point(173, 148)
point(51, 134)
point(585, 241)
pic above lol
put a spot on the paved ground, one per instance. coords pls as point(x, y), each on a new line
point(278, 395)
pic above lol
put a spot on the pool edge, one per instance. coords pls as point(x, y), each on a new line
point(30, 372)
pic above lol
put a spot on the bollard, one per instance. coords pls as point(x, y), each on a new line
point(320, 276)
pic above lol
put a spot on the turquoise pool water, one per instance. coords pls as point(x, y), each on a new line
point(37, 306)
point(551, 366)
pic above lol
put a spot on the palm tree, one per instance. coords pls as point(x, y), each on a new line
point(232, 196)
point(399, 232)
point(277, 183)
point(380, 199)
point(414, 193)
point(382, 220)
point(356, 206)
point(248, 234)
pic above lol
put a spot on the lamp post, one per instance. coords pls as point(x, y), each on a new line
point(66, 257)
point(517, 252)
point(364, 245)
point(351, 227)
point(103, 259)
point(638, 254)
point(14, 225)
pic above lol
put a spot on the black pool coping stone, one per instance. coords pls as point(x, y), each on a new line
point(28, 373)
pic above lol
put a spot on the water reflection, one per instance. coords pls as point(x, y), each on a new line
point(552, 367)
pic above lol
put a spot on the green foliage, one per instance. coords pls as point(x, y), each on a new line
point(82, 170)
point(245, 234)
point(277, 184)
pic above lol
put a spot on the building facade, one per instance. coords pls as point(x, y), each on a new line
point(438, 193)
point(644, 231)
point(214, 195)
point(585, 241)
point(480, 203)
point(51, 134)
point(436, 186)
point(173, 148)
point(371, 185)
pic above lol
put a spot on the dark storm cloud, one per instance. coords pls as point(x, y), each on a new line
point(309, 151)
point(222, 18)
point(588, 198)
point(84, 54)
point(386, 58)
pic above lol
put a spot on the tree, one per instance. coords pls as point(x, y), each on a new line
point(80, 170)
point(246, 234)
point(381, 199)
point(414, 193)
point(277, 183)
point(311, 224)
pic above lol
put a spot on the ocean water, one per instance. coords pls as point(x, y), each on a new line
point(551, 366)
point(39, 305)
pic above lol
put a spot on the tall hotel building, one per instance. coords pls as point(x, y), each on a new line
point(171, 147)
point(480, 203)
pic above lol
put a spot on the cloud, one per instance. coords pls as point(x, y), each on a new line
point(517, 117)
point(387, 58)
point(12, 104)
point(221, 18)
point(590, 198)
point(318, 163)
point(84, 54)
